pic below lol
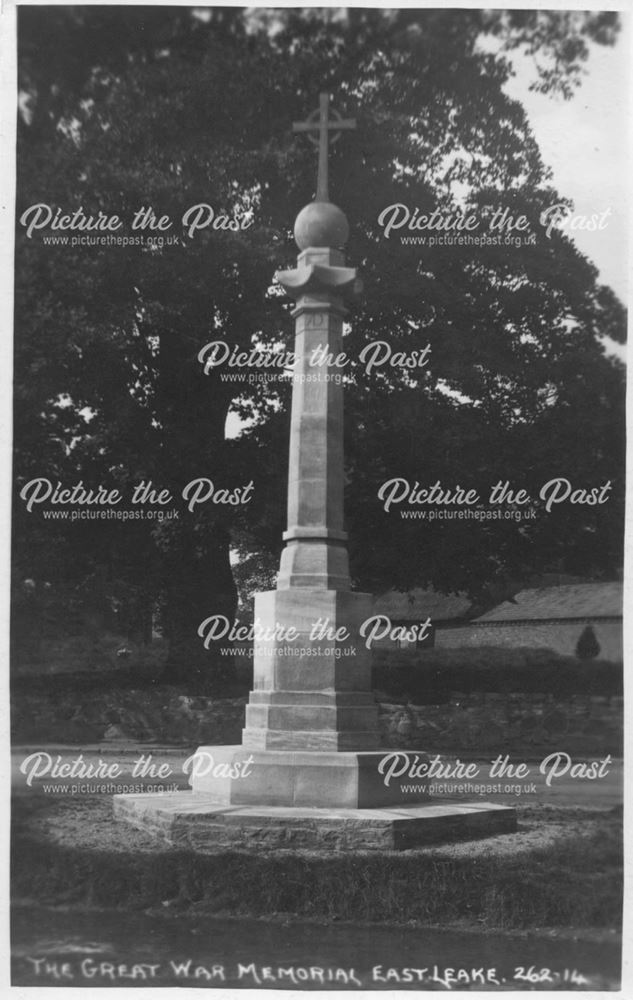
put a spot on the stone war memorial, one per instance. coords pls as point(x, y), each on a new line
point(310, 772)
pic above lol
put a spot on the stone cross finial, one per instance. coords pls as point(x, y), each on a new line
point(320, 121)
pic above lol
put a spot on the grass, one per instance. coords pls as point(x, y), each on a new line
point(74, 852)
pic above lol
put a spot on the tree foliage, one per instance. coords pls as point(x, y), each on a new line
point(171, 107)
point(587, 647)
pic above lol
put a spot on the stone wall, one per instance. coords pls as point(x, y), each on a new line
point(494, 723)
point(475, 724)
point(124, 717)
point(561, 637)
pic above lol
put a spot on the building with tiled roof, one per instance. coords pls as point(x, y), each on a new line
point(549, 617)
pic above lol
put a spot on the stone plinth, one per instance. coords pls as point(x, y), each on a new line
point(192, 821)
point(311, 694)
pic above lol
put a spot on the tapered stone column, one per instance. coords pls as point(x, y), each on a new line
point(314, 692)
point(315, 554)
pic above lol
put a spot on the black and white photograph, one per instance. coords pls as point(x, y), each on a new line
point(317, 495)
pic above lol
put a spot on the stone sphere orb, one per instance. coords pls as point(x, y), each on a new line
point(321, 224)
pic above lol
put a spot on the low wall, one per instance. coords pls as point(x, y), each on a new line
point(507, 722)
point(477, 723)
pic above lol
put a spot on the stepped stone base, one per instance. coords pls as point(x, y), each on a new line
point(316, 800)
point(192, 821)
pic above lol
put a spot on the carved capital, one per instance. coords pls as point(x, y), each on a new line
point(315, 279)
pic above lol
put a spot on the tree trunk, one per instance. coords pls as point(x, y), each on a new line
point(196, 572)
point(199, 584)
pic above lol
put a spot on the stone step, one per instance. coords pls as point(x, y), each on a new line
point(193, 821)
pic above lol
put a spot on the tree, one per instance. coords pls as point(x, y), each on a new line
point(108, 385)
point(515, 338)
point(587, 647)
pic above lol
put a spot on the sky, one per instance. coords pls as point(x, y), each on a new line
point(585, 142)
